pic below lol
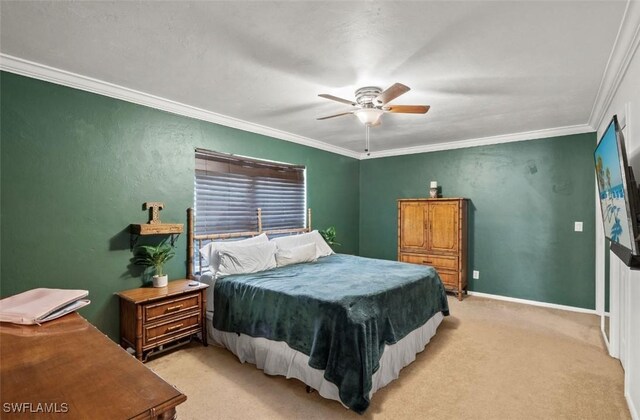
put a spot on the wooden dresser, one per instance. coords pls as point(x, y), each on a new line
point(67, 369)
point(156, 318)
point(433, 231)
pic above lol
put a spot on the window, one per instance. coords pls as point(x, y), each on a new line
point(229, 189)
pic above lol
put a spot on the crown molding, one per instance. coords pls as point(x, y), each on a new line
point(484, 141)
point(624, 47)
point(61, 77)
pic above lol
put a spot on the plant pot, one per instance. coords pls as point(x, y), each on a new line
point(160, 281)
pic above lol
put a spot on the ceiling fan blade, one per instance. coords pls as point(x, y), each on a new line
point(335, 115)
point(407, 109)
point(392, 93)
point(335, 98)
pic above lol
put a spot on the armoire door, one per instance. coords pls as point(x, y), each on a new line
point(413, 237)
point(443, 226)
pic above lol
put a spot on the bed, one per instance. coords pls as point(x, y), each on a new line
point(343, 325)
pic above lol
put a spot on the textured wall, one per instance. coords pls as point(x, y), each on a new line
point(525, 197)
point(76, 168)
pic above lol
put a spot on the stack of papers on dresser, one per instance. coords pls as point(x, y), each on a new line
point(41, 305)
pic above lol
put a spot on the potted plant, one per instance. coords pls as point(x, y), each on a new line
point(156, 257)
point(329, 236)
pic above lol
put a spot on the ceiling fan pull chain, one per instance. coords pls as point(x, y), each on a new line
point(366, 149)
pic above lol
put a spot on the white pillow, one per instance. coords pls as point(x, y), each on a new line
point(292, 241)
point(298, 254)
point(323, 248)
point(209, 252)
point(245, 259)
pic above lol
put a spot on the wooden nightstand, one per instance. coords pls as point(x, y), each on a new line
point(156, 319)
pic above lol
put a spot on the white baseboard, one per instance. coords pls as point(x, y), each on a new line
point(632, 408)
point(534, 303)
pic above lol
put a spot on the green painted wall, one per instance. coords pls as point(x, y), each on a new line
point(76, 168)
point(525, 197)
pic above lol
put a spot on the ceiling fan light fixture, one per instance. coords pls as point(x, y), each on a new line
point(369, 116)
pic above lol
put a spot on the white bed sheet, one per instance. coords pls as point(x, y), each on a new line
point(277, 358)
point(207, 278)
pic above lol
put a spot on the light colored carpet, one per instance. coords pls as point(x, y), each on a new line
point(489, 360)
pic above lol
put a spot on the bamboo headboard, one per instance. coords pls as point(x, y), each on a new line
point(196, 240)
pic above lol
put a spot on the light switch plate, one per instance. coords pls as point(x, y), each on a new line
point(578, 226)
point(476, 274)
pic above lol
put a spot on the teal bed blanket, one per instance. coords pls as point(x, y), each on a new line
point(339, 310)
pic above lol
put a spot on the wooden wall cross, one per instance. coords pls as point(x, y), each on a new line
point(154, 211)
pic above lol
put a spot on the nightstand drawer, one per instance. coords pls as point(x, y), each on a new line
point(153, 334)
point(159, 311)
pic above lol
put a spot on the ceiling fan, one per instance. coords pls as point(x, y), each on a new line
point(371, 102)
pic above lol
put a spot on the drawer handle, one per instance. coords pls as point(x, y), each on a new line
point(174, 308)
point(427, 261)
point(175, 327)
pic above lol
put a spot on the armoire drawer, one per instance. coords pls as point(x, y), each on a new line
point(437, 261)
point(449, 278)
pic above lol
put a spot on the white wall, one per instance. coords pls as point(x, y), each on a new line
point(626, 300)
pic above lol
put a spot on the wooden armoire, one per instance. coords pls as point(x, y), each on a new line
point(433, 231)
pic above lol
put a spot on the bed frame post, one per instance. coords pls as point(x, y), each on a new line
point(190, 244)
point(200, 254)
point(309, 219)
point(259, 220)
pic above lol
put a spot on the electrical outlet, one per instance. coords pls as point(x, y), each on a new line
point(476, 274)
point(577, 226)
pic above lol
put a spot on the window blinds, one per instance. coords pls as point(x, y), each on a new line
point(229, 190)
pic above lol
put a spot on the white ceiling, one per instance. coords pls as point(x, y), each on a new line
point(486, 68)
